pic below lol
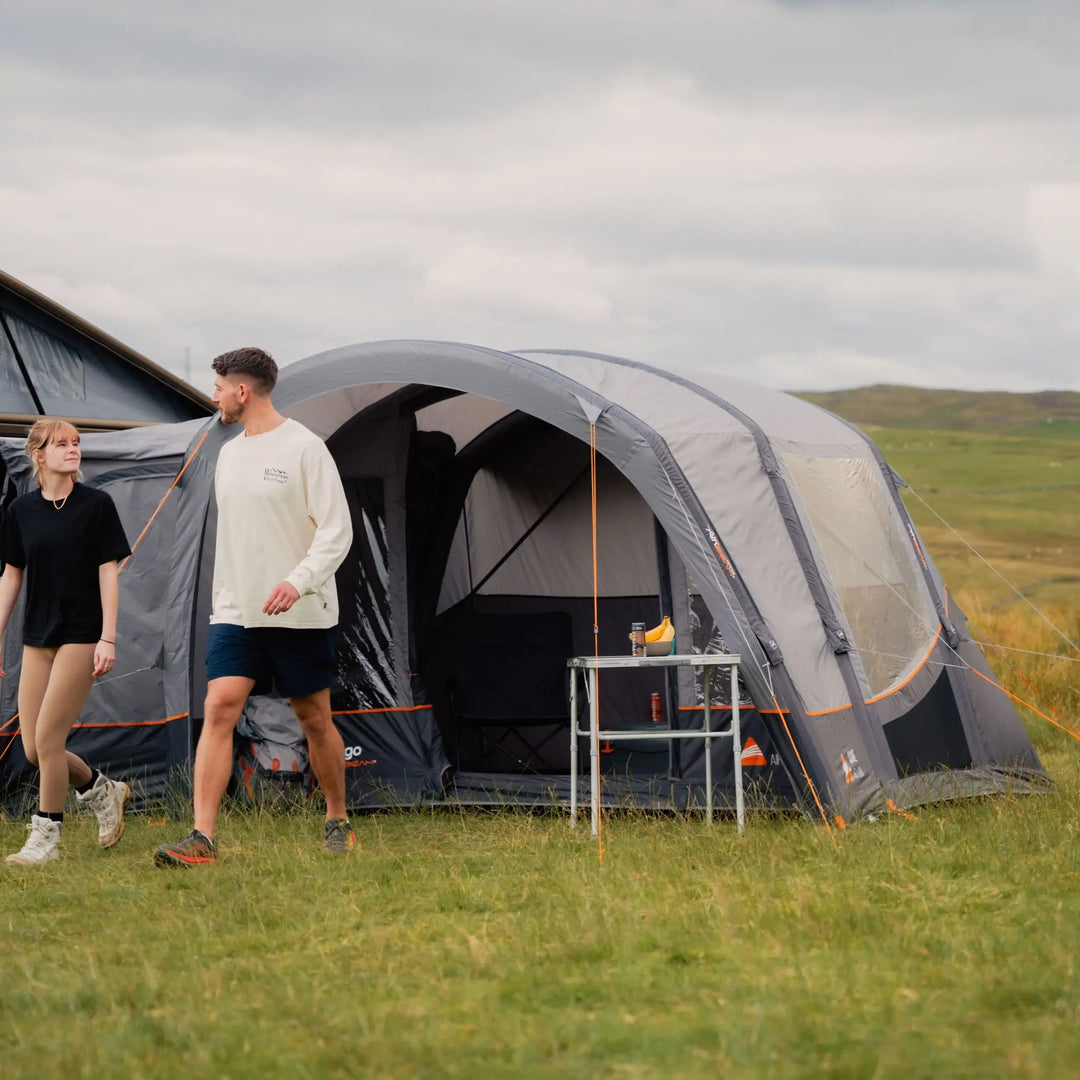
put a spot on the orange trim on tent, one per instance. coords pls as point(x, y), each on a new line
point(392, 708)
point(868, 701)
point(119, 724)
point(915, 671)
point(751, 708)
point(826, 712)
point(888, 693)
point(132, 723)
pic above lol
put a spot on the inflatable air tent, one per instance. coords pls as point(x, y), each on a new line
point(759, 524)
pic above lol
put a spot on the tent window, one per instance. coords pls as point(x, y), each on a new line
point(706, 639)
point(57, 369)
point(889, 613)
point(365, 667)
point(11, 378)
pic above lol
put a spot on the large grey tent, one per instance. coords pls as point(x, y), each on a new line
point(761, 524)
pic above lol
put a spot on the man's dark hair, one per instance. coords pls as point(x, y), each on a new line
point(257, 364)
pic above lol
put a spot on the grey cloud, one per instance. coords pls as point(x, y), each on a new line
point(808, 192)
point(331, 66)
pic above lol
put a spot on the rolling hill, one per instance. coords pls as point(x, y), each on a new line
point(1048, 413)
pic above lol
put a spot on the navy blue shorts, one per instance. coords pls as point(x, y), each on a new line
point(297, 662)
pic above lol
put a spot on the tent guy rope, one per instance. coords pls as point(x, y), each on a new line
point(596, 622)
point(1042, 615)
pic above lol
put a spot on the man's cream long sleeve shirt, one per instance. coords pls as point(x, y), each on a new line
point(282, 516)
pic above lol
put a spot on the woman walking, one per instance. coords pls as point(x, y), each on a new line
point(65, 539)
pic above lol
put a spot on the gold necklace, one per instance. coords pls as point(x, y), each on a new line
point(58, 504)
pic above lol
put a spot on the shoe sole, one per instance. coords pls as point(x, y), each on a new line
point(109, 841)
point(14, 860)
point(165, 858)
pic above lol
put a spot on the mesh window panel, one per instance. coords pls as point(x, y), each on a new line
point(867, 554)
point(56, 368)
point(12, 384)
point(365, 626)
point(706, 640)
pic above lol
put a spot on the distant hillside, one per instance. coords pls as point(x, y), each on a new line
point(1049, 412)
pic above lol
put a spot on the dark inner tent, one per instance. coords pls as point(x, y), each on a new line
point(496, 536)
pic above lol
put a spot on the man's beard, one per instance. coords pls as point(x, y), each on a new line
point(232, 416)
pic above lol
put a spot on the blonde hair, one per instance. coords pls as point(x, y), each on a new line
point(41, 434)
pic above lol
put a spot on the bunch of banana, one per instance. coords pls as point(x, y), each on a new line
point(660, 640)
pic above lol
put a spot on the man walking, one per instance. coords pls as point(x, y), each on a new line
point(283, 529)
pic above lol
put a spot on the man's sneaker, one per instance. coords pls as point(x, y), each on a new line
point(194, 850)
point(107, 798)
point(42, 845)
point(339, 837)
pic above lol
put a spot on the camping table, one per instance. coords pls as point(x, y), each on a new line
point(579, 665)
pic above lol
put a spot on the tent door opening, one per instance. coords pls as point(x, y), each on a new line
point(510, 600)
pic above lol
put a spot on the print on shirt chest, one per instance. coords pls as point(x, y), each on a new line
point(245, 485)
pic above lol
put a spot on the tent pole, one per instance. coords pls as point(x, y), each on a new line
point(596, 646)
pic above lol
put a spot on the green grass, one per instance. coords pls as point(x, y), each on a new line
point(469, 944)
point(458, 945)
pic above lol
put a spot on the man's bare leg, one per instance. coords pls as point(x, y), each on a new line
point(225, 698)
point(325, 747)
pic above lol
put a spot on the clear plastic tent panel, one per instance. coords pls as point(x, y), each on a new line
point(12, 383)
point(57, 369)
point(706, 640)
point(868, 557)
point(365, 628)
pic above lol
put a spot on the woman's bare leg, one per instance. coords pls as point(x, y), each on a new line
point(53, 688)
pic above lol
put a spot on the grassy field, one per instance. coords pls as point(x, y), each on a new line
point(465, 945)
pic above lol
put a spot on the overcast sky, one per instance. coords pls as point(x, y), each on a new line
point(807, 194)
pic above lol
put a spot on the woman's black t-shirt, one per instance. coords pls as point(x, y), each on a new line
point(61, 550)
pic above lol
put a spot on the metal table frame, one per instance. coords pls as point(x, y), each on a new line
point(579, 665)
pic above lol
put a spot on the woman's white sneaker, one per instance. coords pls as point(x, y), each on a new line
point(107, 798)
point(42, 845)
